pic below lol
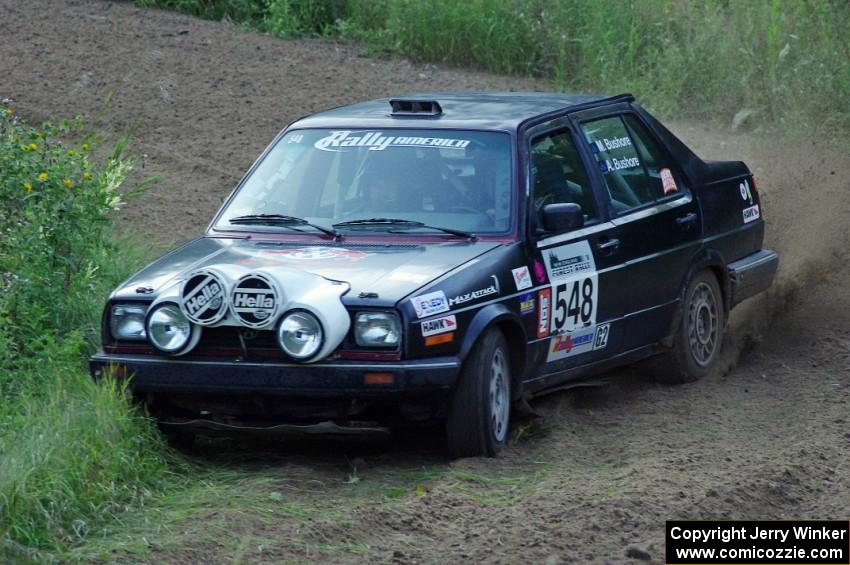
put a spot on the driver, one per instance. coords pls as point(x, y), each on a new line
point(383, 193)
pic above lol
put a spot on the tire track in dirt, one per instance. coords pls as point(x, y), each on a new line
point(605, 468)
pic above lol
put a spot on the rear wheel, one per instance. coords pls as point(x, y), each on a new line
point(479, 411)
point(696, 347)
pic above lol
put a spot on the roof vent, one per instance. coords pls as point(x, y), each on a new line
point(423, 108)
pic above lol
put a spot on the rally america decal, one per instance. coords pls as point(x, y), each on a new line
point(476, 294)
point(254, 301)
point(203, 298)
point(377, 141)
point(522, 278)
point(321, 254)
point(572, 273)
point(429, 304)
point(439, 325)
point(566, 345)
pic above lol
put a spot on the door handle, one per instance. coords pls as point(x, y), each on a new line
point(687, 219)
point(609, 245)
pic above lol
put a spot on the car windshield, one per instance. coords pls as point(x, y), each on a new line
point(443, 178)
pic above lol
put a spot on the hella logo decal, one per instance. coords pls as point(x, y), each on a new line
point(254, 301)
point(203, 298)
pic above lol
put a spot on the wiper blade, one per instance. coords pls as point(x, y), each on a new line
point(282, 220)
point(379, 222)
point(405, 224)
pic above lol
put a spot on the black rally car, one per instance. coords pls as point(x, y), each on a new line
point(442, 256)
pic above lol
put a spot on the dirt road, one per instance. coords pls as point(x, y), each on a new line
point(594, 480)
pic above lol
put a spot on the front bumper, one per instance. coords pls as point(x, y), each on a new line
point(151, 373)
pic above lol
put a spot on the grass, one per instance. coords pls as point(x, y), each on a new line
point(774, 64)
point(74, 455)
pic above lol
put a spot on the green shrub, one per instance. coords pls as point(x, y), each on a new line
point(73, 454)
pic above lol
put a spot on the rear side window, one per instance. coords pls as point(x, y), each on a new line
point(630, 161)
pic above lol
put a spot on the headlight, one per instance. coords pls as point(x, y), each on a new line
point(376, 329)
point(168, 328)
point(299, 334)
point(127, 321)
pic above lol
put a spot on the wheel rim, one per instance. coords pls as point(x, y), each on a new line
point(499, 402)
point(703, 324)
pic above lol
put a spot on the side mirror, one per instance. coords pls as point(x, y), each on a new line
point(562, 217)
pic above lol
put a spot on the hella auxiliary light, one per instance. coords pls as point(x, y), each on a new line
point(127, 321)
point(169, 330)
point(299, 334)
point(377, 329)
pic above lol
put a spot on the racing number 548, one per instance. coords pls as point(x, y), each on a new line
point(574, 304)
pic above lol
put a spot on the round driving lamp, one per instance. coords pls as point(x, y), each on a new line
point(299, 334)
point(168, 328)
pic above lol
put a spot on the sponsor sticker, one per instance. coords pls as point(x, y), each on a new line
point(566, 345)
point(527, 304)
point(321, 254)
point(439, 325)
point(544, 304)
point(429, 304)
point(568, 260)
point(203, 298)
point(378, 141)
point(668, 183)
point(600, 339)
point(751, 214)
point(254, 301)
point(746, 193)
point(522, 278)
point(539, 271)
point(476, 294)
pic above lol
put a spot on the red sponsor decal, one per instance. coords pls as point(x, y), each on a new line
point(544, 301)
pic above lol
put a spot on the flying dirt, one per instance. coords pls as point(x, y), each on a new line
point(592, 480)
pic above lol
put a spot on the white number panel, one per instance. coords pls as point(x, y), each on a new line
point(574, 280)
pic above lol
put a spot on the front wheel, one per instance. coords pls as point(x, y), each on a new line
point(696, 347)
point(479, 411)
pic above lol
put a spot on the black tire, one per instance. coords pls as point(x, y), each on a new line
point(477, 423)
point(699, 337)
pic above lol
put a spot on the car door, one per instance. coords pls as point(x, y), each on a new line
point(657, 219)
point(579, 309)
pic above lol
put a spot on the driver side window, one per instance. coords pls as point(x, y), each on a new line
point(558, 176)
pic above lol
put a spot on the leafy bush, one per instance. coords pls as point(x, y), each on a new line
point(72, 453)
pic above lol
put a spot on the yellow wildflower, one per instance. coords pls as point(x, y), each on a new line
point(8, 111)
point(32, 147)
point(86, 175)
point(85, 146)
point(42, 176)
point(68, 183)
point(71, 152)
point(27, 187)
